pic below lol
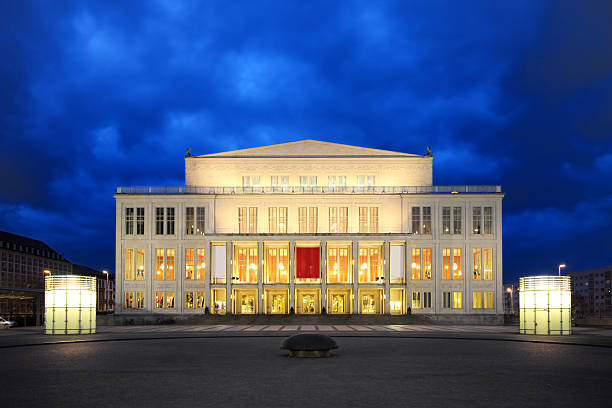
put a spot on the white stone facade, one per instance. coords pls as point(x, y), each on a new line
point(391, 183)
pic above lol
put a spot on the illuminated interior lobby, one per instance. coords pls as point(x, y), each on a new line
point(309, 227)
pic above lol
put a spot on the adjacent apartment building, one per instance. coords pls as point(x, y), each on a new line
point(310, 227)
point(592, 292)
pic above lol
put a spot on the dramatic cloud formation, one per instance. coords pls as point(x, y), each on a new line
point(95, 95)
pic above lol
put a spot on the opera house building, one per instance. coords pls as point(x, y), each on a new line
point(310, 227)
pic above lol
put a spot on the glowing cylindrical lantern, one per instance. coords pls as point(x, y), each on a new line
point(70, 304)
point(545, 304)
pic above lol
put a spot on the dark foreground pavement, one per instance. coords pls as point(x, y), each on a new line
point(251, 371)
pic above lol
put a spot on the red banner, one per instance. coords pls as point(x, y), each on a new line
point(308, 263)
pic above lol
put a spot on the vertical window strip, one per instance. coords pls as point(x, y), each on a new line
point(457, 264)
point(200, 221)
point(426, 221)
point(488, 263)
point(314, 219)
point(159, 264)
point(446, 263)
point(200, 264)
point(333, 219)
point(140, 261)
point(303, 219)
point(272, 220)
point(374, 219)
point(189, 263)
point(416, 263)
point(129, 264)
point(457, 220)
point(129, 221)
point(242, 220)
point(252, 220)
point(416, 220)
point(363, 219)
point(170, 221)
point(488, 220)
point(446, 221)
point(140, 221)
point(159, 221)
point(477, 258)
point(476, 220)
point(189, 221)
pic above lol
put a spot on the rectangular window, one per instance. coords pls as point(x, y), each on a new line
point(170, 253)
point(488, 220)
point(361, 181)
point(167, 267)
point(416, 263)
point(303, 219)
point(218, 302)
point(456, 220)
point(129, 264)
point(416, 300)
point(246, 181)
point(446, 220)
point(159, 221)
point(426, 300)
point(457, 301)
point(368, 219)
point(426, 221)
point(488, 300)
point(200, 300)
point(313, 181)
point(341, 181)
point(370, 264)
point(140, 261)
point(446, 263)
point(189, 221)
point(189, 263)
point(200, 227)
point(313, 219)
point(476, 220)
point(194, 220)
point(277, 263)
point(140, 221)
point(219, 263)
point(477, 262)
point(488, 263)
point(427, 263)
point(247, 220)
point(363, 219)
point(139, 300)
point(304, 181)
point(129, 221)
point(397, 257)
point(397, 301)
point(452, 300)
point(200, 264)
point(272, 220)
point(477, 300)
point(373, 219)
point(331, 181)
point(416, 220)
point(339, 263)
point(457, 269)
point(188, 300)
point(274, 181)
point(338, 219)
point(170, 221)
point(159, 300)
point(256, 181)
point(285, 181)
point(129, 300)
point(245, 264)
point(169, 300)
point(159, 264)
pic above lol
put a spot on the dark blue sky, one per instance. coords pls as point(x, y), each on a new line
point(99, 94)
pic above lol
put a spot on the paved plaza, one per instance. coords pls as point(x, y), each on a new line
point(242, 365)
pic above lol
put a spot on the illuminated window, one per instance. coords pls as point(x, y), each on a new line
point(477, 300)
point(416, 300)
point(370, 264)
point(245, 301)
point(140, 260)
point(140, 221)
point(159, 300)
point(488, 263)
point(307, 301)
point(129, 264)
point(446, 220)
point(426, 230)
point(200, 300)
point(247, 220)
point(338, 219)
point(276, 301)
point(245, 264)
point(285, 181)
point(308, 264)
point(169, 300)
point(339, 301)
point(219, 303)
point(274, 181)
point(477, 262)
point(129, 221)
point(446, 262)
point(313, 219)
point(339, 263)
point(331, 181)
point(188, 300)
point(396, 301)
point(277, 220)
point(194, 220)
point(256, 181)
point(452, 300)
point(371, 301)
point(368, 219)
point(277, 263)
point(246, 181)
point(139, 300)
point(164, 270)
point(189, 263)
point(129, 300)
point(416, 263)
point(426, 300)
point(457, 269)
point(451, 224)
point(488, 300)
point(427, 263)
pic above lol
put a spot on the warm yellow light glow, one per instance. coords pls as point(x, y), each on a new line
point(509, 290)
point(545, 305)
point(70, 304)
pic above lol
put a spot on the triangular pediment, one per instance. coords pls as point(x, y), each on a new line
point(307, 148)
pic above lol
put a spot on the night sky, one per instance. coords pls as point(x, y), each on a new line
point(95, 95)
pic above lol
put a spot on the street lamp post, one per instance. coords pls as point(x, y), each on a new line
point(106, 290)
point(561, 266)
